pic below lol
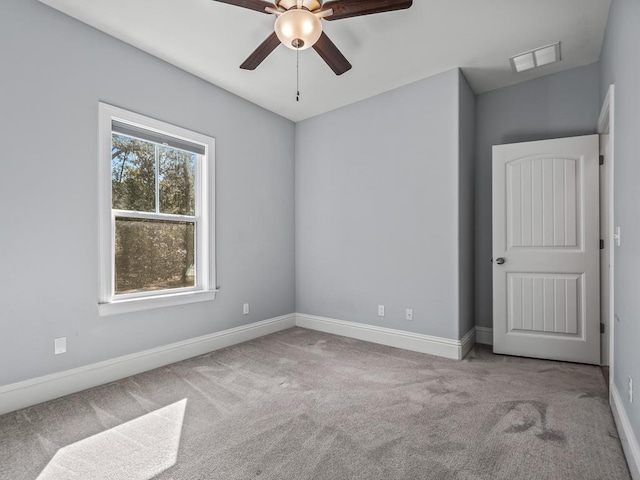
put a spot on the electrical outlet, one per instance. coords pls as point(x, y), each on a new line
point(245, 309)
point(630, 389)
point(616, 236)
point(409, 315)
point(381, 310)
point(59, 345)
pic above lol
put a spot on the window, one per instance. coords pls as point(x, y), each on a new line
point(156, 202)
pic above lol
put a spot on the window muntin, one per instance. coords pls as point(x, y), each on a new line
point(157, 237)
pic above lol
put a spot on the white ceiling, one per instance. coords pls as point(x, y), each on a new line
point(388, 50)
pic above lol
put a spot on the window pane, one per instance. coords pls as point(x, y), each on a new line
point(153, 255)
point(177, 181)
point(133, 174)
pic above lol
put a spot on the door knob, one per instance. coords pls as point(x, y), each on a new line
point(500, 260)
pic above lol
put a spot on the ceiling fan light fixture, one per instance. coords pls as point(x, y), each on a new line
point(298, 29)
point(298, 26)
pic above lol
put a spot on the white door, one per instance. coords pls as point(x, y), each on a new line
point(546, 242)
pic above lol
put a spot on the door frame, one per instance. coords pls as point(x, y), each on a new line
point(606, 127)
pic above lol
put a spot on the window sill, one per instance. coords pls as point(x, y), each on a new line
point(160, 301)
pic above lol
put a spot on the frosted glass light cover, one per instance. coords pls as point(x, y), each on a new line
point(298, 24)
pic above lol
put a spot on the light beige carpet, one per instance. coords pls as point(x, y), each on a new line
point(306, 405)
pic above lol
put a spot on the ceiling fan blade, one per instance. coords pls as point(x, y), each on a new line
point(257, 5)
point(330, 54)
point(260, 53)
point(354, 8)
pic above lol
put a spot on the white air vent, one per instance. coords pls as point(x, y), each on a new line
point(536, 58)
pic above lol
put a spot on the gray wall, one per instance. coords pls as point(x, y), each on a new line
point(376, 209)
point(54, 72)
point(383, 192)
point(466, 208)
point(561, 105)
point(621, 65)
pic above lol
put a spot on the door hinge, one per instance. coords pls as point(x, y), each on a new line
point(602, 328)
point(601, 159)
point(601, 244)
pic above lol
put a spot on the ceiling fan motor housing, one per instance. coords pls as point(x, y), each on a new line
point(311, 5)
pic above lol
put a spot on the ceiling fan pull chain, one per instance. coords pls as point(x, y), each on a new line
point(297, 74)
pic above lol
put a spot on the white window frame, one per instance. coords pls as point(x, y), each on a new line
point(109, 303)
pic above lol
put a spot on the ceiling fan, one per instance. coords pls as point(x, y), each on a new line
point(298, 25)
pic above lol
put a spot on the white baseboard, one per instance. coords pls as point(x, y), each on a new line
point(442, 347)
point(467, 342)
point(41, 389)
point(625, 431)
point(31, 392)
point(484, 335)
